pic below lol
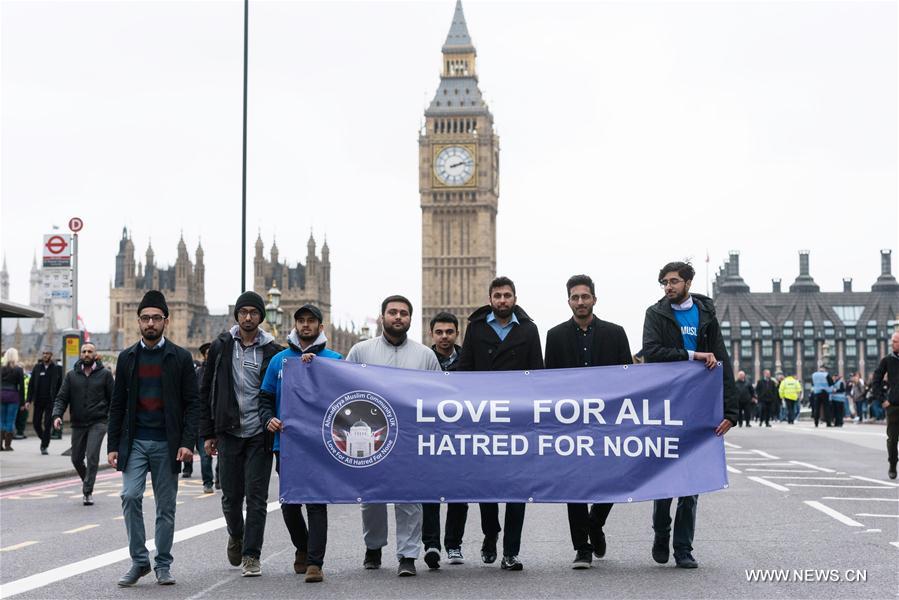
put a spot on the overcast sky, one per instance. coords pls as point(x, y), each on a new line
point(632, 133)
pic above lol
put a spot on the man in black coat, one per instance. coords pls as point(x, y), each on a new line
point(46, 378)
point(683, 326)
point(87, 390)
point(501, 337)
point(232, 429)
point(152, 428)
point(766, 392)
point(746, 399)
point(586, 341)
point(889, 369)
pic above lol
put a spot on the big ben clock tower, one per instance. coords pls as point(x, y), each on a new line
point(458, 155)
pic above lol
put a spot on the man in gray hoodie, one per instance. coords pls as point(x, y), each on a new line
point(230, 423)
point(393, 349)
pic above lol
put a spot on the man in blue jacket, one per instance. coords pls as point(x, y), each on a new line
point(306, 339)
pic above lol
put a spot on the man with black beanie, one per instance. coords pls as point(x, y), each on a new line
point(232, 429)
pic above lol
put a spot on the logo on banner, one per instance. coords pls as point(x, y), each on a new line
point(359, 429)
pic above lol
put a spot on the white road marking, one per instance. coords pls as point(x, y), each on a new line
point(875, 515)
point(39, 580)
point(18, 546)
point(729, 445)
point(782, 470)
point(833, 513)
point(766, 455)
point(831, 485)
point(82, 528)
point(236, 575)
point(885, 483)
point(729, 452)
point(872, 499)
point(895, 544)
point(770, 484)
point(730, 469)
point(805, 464)
point(807, 477)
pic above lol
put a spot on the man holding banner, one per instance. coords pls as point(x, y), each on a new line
point(678, 327)
point(393, 349)
point(501, 337)
point(307, 340)
point(586, 341)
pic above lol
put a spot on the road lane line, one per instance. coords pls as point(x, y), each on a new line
point(729, 445)
point(782, 470)
point(805, 464)
point(807, 477)
point(236, 575)
point(873, 515)
point(18, 546)
point(770, 484)
point(833, 485)
point(57, 485)
point(875, 481)
point(766, 455)
point(730, 469)
point(762, 464)
point(872, 499)
point(39, 580)
point(895, 544)
point(833, 513)
point(729, 452)
point(82, 528)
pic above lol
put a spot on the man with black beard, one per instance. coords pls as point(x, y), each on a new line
point(87, 391)
point(501, 337)
point(683, 326)
point(393, 348)
point(586, 341)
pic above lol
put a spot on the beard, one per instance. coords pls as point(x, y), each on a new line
point(88, 362)
point(503, 313)
point(397, 329)
point(152, 335)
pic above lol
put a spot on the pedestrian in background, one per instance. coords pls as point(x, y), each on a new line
point(857, 397)
point(790, 391)
point(152, 428)
point(46, 379)
point(820, 397)
point(766, 392)
point(233, 431)
point(22, 415)
point(12, 396)
point(838, 400)
point(746, 399)
point(87, 391)
point(888, 395)
point(205, 459)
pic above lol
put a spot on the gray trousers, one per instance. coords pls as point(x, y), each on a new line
point(86, 442)
point(408, 528)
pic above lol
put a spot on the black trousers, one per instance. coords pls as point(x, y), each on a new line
point(585, 525)
point(820, 402)
point(246, 469)
point(892, 434)
point(836, 411)
point(456, 515)
point(313, 540)
point(744, 414)
point(767, 409)
point(514, 522)
point(43, 425)
point(21, 421)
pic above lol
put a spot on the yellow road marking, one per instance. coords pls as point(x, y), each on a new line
point(83, 528)
point(17, 546)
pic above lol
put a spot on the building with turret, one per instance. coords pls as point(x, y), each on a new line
point(796, 330)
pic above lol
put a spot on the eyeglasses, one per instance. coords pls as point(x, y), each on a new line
point(154, 318)
point(244, 313)
point(672, 281)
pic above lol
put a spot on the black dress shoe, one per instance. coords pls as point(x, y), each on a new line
point(685, 562)
point(88, 500)
point(599, 544)
point(133, 574)
point(488, 549)
point(892, 472)
point(511, 563)
point(660, 550)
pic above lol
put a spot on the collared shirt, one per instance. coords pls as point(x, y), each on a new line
point(446, 361)
point(501, 330)
point(88, 370)
point(584, 343)
point(158, 346)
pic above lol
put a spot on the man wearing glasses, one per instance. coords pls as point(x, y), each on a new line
point(683, 326)
point(233, 430)
point(152, 428)
point(585, 341)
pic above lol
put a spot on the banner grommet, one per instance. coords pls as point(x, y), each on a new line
point(530, 499)
point(359, 500)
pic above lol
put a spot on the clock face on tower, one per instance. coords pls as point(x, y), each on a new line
point(454, 165)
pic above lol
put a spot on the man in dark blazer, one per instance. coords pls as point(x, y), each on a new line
point(152, 428)
point(501, 337)
point(586, 341)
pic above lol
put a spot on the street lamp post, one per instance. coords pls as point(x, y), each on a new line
point(273, 310)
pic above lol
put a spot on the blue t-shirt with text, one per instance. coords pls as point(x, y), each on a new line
point(688, 321)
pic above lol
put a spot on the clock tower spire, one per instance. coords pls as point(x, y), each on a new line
point(458, 184)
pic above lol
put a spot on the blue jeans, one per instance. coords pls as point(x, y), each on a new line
point(205, 463)
point(153, 457)
point(684, 522)
point(8, 414)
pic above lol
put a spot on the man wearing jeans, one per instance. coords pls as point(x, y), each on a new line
point(682, 326)
point(232, 429)
point(152, 428)
point(87, 390)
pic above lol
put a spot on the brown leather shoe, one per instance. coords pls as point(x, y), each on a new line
point(299, 562)
point(314, 574)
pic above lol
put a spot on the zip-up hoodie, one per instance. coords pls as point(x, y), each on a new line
point(229, 392)
point(270, 392)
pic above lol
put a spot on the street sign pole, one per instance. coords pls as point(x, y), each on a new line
point(75, 281)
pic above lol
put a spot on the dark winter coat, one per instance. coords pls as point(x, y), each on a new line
point(662, 342)
point(88, 397)
point(610, 345)
point(482, 350)
point(219, 408)
point(766, 390)
point(54, 373)
point(179, 393)
point(745, 392)
point(888, 366)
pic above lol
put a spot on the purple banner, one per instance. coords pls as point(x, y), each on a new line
point(361, 433)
